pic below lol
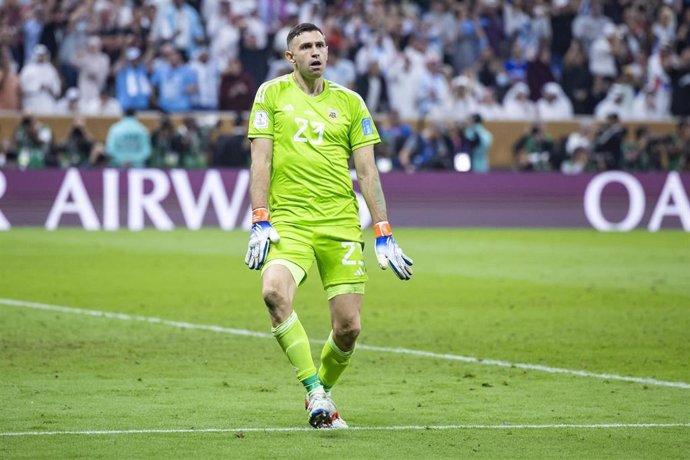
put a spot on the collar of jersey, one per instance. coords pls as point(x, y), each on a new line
point(324, 93)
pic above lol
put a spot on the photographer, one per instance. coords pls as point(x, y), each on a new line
point(480, 140)
point(608, 144)
point(33, 142)
point(76, 151)
point(534, 150)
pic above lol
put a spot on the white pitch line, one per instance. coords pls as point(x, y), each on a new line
point(560, 426)
point(397, 350)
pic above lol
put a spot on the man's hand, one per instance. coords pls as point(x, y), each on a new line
point(263, 234)
point(389, 253)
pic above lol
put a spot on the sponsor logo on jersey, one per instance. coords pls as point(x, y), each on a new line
point(367, 128)
point(261, 119)
point(332, 113)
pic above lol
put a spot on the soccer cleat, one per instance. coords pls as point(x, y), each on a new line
point(321, 409)
point(337, 423)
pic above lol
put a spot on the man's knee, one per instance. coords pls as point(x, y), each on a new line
point(274, 296)
point(346, 332)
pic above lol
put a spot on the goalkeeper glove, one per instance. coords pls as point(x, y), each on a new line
point(389, 253)
point(263, 234)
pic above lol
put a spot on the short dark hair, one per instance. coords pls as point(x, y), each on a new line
point(300, 29)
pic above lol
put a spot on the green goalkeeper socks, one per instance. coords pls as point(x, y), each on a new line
point(334, 361)
point(294, 341)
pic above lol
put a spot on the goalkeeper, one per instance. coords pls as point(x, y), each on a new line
point(303, 130)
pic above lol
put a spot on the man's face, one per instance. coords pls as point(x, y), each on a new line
point(309, 53)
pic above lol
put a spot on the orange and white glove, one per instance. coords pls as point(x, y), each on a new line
point(388, 253)
point(263, 234)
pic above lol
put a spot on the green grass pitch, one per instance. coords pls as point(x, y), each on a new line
point(615, 304)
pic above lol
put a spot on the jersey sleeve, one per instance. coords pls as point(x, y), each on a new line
point(363, 131)
point(261, 117)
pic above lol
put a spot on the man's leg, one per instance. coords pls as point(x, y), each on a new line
point(345, 323)
point(279, 288)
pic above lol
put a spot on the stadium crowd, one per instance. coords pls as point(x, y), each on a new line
point(431, 71)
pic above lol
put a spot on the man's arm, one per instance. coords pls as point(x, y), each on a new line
point(388, 253)
point(262, 157)
point(370, 183)
point(263, 233)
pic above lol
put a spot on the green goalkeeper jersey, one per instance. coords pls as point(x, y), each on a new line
point(313, 138)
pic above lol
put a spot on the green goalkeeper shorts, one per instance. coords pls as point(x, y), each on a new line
point(337, 250)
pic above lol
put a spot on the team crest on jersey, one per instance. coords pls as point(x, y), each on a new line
point(261, 119)
point(332, 113)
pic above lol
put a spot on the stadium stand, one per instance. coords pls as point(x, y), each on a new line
point(616, 66)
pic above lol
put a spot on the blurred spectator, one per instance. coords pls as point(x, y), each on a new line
point(577, 163)
point(683, 35)
point(75, 34)
point(33, 143)
point(430, 148)
point(583, 138)
point(480, 140)
point(280, 37)
point(636, 154)
point(459, 105)
point(70, 103)
point(554, 104)
point(394, 133)
point(678, 70)
point(664, 29)
point(104, 105)
point(646, 106)
point(340, 70)
point(604, 53)
point(433, 89)
point(618, 101)
point(132, 85)
point(254, 58)
point(252, 25)
point(236, 88)
point(517, 105)
point(539, 72)
point(128, 143)
point(563, 13)
point(8, 157)
point(207, 74)
point(516, 65)
point(533, 151)
point(438, 24)
point(180, 23)
point(373, 88)
point(488, 106)
point(233, 150)
point(590, 23)
point(489, 70)
point(404, 79)
point(468, 39)
point(379, 48)
point(491, 20)
point(190, 146)
point(576, 79)
point(224, 33)
point(608, 144)
point(77, 149)
point(174, 84)
point(40, 82)
point(93, 66)
point(164, 146)
point(676, 155)
point(10, 90)
point(32, 30)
